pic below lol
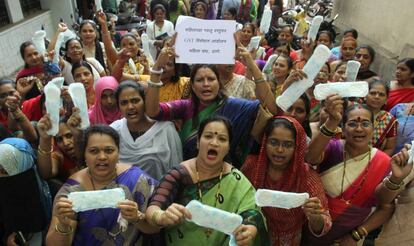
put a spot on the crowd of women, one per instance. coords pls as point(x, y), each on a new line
point(169, 133)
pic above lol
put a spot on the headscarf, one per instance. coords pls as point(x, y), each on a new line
point(281, 222)
point(17, 155)
point(97, 113)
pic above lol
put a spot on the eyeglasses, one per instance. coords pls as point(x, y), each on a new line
point(76, 48)
point(363, 124)
point(284, 144)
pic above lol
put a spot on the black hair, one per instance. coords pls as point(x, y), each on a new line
point(23, 47)
point(353, 31)
point(279, 122)
point(99, 129)
point(329, 68)
point(77, 65)
point(232, 11)
point(409, 62)
point(67, 49)
point(196, 101)
point(353, 107)
point(385, 84)
point(129, 84)
point(158, 6)
point(4, 132)
point(163, 3)
point(339, 65)
point(288, 59)
point(330, 35)
point(370, 50)
point(5, 81)
point(180, 70)
point(215, 118)
point(128, 35)
point(279, 43)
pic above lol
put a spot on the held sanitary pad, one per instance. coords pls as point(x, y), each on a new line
point(52, 93)
point(78, 95)
point(314, 28)
point(280, 199)
point(352, 68)
point(411, 153)
point(214, 218)
point(344, 89)
point(88, 200)
point(312, 68)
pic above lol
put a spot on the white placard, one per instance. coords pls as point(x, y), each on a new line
point(344, 89)
point(205, 41)
point(312, 68)
point(352, 68)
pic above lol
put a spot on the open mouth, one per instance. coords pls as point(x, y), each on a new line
point(212, 154)
point(278, 158)
point(132, 114)
point(359, 138)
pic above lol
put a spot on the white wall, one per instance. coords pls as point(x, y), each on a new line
point(60, 9)
point(10, 40)
point(386, 25)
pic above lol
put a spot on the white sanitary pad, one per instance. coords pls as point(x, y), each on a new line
point(280, 199)
point(314, 28)
point(52, 93)
point(312, 68)
point(98, 5)
point(266, 20)
point(411, 153)
point(214, 218)
point(267, 69)
point(38, 40)
point(352, 68)
point(78, 95)
point(344, 89)
point(146, 47)
point(88, 200)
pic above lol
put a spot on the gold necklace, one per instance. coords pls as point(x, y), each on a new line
point(363, 179)
point(208, 231)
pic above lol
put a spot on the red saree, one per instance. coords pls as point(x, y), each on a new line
point(403, 95)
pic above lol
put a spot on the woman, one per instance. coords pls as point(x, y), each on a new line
point(385, 124)
point(75, 54)
point(247, 11)
point(176, 8)
point(339, 72)
point(7, 88)
point(348, 50)
point(300, 111)
point(29, 79)
point(83, 73)
point(247, 32)
point(105, 110)
point(286, 35)
point(100, 226)
point(153, 146)
point(280, 47)
point(404, 112)
point(214, 182)
point(280, 166)
point(234, 84)
point(350, 171)
point(281, 69)
point(201, 9)
point(18, 173)
point(159, 30)
point(365, 54)
point(402, 89)
point(325, 38)
point(207, 98)
point(88, 33)
point(59, 153)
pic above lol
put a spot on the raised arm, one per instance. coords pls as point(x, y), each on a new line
point(62, 27)
point(152, 98)
point(111, 52)
point(47, 166)
point(334, 106)
point(18, 119)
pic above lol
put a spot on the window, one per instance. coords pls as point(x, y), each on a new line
point(4, 16)
point(30, 7)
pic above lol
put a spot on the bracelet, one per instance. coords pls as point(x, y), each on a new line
point(157, 72)
point(155, 85)
point(155, 216)
point(390, 185)
point(261, 80)
point(355, 235)
point(325, 131)
point(389, 180)
point(58, 230)
point(44, 152)
point(140, 215)
point(364, 231)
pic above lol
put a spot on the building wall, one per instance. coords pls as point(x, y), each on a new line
point(385, 25)
point(10, 40)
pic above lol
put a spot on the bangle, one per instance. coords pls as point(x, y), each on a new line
point(157, 72)
point(140, 215)
point(325, 131)
point(58, 230)
point(392, 186)
point(44, 152)
point(355, 235)
point(261, 80)
point(389, 180)
point(155, 85)
point(155, 216)
point(364, 231)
